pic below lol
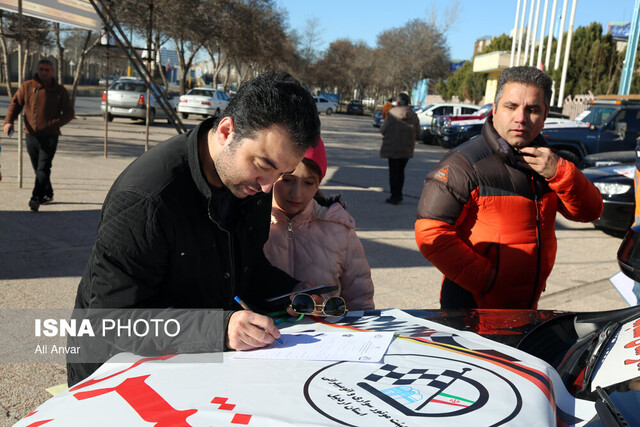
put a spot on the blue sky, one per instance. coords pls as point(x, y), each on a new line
point(365, 19)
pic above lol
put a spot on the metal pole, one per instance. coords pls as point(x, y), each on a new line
point(150, 71)
point(534, 34)
point(20, 136)
point(544, 26)
point(565, 63)
point(550, 38)
point(515, 34)
point(526, 44)
point(630, 55)
point(556, 64)
point(524, 8)
point(106, 103)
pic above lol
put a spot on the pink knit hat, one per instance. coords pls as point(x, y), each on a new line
point(318, 155)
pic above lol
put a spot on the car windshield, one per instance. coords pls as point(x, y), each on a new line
point(599, 115)
point(484, 110)
point(129, 86)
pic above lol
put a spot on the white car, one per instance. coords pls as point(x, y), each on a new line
point(324, 105)
point(203, 101)
point(426, 114)
point(127, 98)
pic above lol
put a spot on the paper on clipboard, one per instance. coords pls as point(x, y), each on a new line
point(346, 345)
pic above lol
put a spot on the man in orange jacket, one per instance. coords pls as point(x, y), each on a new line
point(486, 218)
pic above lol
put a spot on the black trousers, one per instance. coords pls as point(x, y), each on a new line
point(396, 177)
point(454, 296)
point(41, 150)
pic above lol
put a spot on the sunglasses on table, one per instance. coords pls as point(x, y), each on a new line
point(332, 306)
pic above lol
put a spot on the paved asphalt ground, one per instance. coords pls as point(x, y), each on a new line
point(42, 255)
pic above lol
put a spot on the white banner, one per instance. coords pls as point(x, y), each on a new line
point(431, 375)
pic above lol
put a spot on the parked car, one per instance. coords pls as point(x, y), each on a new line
point(355, 107)
point(463, 130)
point(128, 98)
point(616, 186)
point(612, 124)
point(103, 81)
point(426, 114)
point(203, 101)
point(440, 123)
point(325, 105)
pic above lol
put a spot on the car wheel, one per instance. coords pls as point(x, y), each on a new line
point(109, 117)
point(329, 112)
point(185, 115)
point(569, 155)
point(152, 117)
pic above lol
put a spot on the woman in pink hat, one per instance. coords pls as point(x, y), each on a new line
point(313, 238)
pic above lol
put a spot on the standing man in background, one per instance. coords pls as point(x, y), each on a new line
point(47, 107)
point(399, 133)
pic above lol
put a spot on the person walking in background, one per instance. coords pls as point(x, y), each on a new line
point(47, 107)
point(399, 134)
point(313, 238)
point(386, 108)
point(486, 217)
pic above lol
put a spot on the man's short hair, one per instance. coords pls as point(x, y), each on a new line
point(274, 98)
point(528, 76)
point(46, 62)
point(403, 99)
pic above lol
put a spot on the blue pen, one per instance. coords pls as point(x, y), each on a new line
point(246, 307)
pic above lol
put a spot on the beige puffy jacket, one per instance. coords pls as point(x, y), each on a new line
point(399, 132)
point(320, 245)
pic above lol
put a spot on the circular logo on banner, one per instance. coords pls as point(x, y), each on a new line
point(412, 388)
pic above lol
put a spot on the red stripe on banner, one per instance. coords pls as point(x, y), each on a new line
point(138, 363)
point(39, 423)
point(449, 403)
point(145, 401)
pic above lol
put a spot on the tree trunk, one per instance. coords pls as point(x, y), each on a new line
point(61, 73)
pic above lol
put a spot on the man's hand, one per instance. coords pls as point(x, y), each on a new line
point(248, 330)
point(541, 160)
point(8, 128)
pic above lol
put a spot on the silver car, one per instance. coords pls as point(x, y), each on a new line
point(203, 101)
point(128, 98)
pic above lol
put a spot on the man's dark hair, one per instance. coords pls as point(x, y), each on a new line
point(390, 100)
point(528, 76)
point(403, 99)
point(274, 98)
point(46, 62)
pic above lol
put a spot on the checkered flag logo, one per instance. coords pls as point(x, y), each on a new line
point(394, 375)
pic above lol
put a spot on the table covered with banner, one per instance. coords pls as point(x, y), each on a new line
point(430, 374)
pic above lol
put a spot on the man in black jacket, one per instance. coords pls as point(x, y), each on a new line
point(183, 226)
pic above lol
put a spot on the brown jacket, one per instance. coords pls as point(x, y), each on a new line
point(46, 109)
point(399, 133)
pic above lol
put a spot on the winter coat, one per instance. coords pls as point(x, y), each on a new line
point(320, 245)
point(162, 243)
point(399, 131)
point(46, 108)
point(479, 211)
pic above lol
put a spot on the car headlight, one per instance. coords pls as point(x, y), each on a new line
point(612, 188)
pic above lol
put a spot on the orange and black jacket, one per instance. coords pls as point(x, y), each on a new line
point(479, 213)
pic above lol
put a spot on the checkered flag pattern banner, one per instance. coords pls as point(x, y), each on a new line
point(394, 375)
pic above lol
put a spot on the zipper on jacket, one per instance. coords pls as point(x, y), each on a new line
point(289, 232)
point(35, 110)
point(539, 249)
point(231, 255)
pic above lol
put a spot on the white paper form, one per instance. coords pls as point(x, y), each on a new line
point(345, 345)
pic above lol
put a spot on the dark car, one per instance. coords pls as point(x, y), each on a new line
point(355, 107)
point(616, 186)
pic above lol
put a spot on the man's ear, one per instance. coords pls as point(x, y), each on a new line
point(224, 131)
